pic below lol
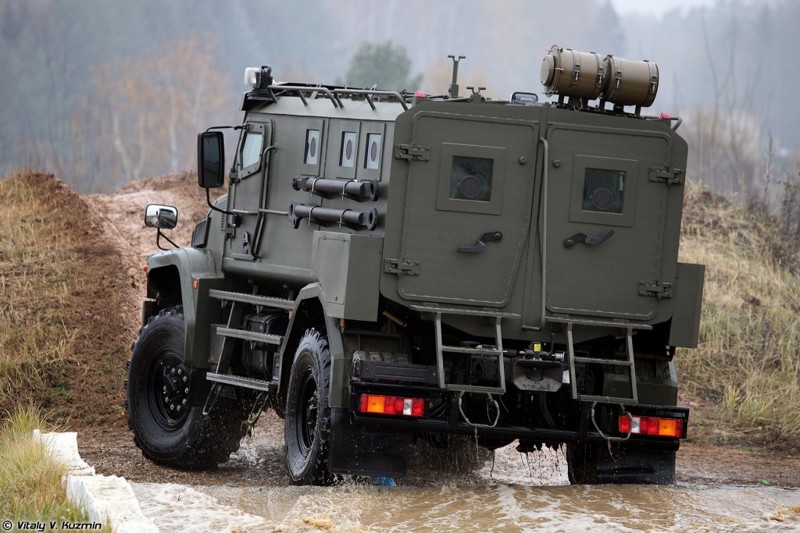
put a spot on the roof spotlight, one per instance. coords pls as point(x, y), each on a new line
point(258, 78)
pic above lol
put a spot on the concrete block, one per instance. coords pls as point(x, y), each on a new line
point(109, 500)
point(64, 447)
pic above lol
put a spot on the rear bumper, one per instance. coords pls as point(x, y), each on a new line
point(543, 435)
point(454, 424)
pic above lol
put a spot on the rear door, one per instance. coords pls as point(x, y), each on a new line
point(606, 222)
point(468, 207)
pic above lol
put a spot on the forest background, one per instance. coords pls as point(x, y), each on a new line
point(105, 93)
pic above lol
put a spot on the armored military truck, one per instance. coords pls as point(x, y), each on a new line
point(387, 267)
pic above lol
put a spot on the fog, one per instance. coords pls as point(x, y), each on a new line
point(105, 93)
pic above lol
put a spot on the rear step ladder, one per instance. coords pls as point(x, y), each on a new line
point(633, 399)
point(441, 349)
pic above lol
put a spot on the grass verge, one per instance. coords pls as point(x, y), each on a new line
point(30, 478)
point(745, 374)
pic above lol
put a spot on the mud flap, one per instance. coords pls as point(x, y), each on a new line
point(636, 464)
point(365, 451)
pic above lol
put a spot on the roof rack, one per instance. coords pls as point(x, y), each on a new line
point(306, 92)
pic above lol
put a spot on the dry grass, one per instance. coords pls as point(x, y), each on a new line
point(30, 479)
point(746, 372)
point(56, 301)
point(37, 267)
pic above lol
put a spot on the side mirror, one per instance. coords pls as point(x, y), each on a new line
point(210, 159)
point(160, 216)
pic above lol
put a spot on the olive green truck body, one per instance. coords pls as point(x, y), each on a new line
point(385, 268)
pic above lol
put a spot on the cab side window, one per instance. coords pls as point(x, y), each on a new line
point(252, 146)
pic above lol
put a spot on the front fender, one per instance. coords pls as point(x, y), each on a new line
point(184, 277)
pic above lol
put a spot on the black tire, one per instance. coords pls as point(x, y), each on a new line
point(622, 463)
point(166, 427)
point(308, 416)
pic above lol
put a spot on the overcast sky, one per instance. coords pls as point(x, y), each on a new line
point(656, 7)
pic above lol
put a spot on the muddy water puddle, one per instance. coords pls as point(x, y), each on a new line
point(516, 493)
point(521, 508)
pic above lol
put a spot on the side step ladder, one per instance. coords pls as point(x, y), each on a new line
point(441, 349)
point(633, 399)
point(231, 332)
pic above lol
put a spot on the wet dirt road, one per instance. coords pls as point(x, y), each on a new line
point(471, 493)
point(512, 507)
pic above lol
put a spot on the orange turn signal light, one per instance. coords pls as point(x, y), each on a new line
point(652, 426)
point(391, 405)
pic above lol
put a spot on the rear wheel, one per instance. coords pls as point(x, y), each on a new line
point(620, 463)
point(166, 426)
point(308, 415)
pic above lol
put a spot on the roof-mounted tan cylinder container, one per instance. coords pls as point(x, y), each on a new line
point(575, 74)
point(631, 82)
point(586, 75)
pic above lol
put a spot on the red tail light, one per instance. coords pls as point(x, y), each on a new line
point(652, 426)
point(391, 405)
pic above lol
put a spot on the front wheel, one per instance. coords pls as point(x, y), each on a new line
point(166, 426)
point(308, 415)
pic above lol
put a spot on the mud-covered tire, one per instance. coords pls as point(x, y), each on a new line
point(308, 416)
point(166, 427)
point(622, 463)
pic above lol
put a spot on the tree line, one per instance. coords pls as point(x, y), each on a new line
point(105, 94)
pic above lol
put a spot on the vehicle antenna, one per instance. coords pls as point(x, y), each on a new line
point(454, 84)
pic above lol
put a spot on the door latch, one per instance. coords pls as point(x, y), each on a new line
point(492, 236)
point(588, 240)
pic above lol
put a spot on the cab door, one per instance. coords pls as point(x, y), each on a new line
point(248, 190)
point(467, 209)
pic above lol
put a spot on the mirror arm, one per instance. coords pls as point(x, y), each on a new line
point(159, 234)
point(213, 207)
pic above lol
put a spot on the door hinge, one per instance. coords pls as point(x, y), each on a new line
point(669, 176)
point(401, 267)
point(659, 289)
point(412, 152)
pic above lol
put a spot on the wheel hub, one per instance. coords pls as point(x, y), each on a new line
point(174, 387)
point(307, 410)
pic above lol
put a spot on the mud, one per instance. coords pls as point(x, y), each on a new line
point(719, 489)
point(509, 492)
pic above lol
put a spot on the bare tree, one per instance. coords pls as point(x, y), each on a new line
point(144, 112)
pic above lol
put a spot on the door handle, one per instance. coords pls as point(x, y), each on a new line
point(588, 240)
point(492, 236)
